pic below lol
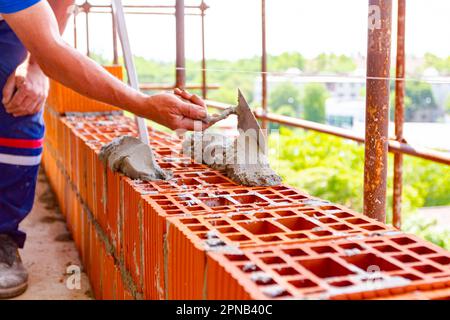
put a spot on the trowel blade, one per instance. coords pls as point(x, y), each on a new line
point(247, 120)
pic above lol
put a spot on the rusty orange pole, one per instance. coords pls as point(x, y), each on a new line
point(399, 114)
point(377, 108)
point(264, 63)
point(75, 33)
point(180, 73)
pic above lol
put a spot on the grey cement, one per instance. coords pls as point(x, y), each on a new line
point(133, 158)
point(239, 158)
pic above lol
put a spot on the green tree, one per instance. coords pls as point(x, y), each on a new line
point(420, 96)
point(285, 61)
point(314, 102)
point(285, 94)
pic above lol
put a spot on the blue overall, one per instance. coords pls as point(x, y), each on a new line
point(20, 138)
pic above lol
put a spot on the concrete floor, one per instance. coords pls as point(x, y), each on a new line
point(49, 251)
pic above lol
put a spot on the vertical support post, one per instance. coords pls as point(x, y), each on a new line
point(88, 51)
point(114, 38)
point(377, 108)
point(399, 114)
point(203, 8)
point(264, 64)
point(180, 74)
point(75, 33)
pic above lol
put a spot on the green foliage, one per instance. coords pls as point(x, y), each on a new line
point(286, 61)
point(314, 102)
point(440, 64)
point(447, 106)
point(285, 94)
point(331, 63)
point(333, 168)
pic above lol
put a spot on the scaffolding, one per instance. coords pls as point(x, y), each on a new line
point(376, 140)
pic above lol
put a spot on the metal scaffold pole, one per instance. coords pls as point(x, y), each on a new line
point(180, 58)
point(377, 108)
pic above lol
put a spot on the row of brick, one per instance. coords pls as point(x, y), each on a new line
point(62, 99)
point(201, 236)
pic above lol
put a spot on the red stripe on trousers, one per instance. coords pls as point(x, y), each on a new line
point(21, 143)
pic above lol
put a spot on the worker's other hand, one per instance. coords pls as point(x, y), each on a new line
point(176, 113)
point(25, 90)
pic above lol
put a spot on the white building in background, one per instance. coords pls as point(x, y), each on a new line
point(339, 87)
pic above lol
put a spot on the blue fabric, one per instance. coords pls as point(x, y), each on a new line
point(17, 183)
point(12, 6)
point(17, 188)
point(12, 54)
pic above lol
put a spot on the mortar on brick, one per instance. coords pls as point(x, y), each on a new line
point(133, 158)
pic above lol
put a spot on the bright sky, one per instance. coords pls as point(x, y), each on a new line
point(233, 28)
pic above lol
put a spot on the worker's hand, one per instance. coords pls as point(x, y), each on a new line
point(25, 90)
point(175, 113)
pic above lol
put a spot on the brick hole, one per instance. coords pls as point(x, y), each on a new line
point(313, 213)
point(386, 248)
point(189, 221)
point(322, 233)
point(209, 174)
point(405, 258)
point(403, 240)
point(262, 215)
point(236, 257)
point(247, 269)
point(288, 271)
point(342, 215)
point(164, 202)
point(340, 227)
point(323, 249)
point(173, 212)
point(303, 283)
point(351, 246)
point(218, 223)
point(297, 223)
point(343, 283)
point(327, 220)
point(441, 260)
point(260, 227)
point(198, 228)
point(215, 180)
point(167, 208)
point(239, 217)
point(285, 213)
point(216, 202)
point(288, 192)
point(158, 197)
point(249, 199)
point(298, 197)
point(409, 276)
point(295, 252)
point(422, 250)
point(325, 267)
point(270, 238)
point(241, 191)
point(372, 227)
point(227, 230)
point(187, 182)
point(368, 260)
point(297, 236)
point(357, 221)
point(426, 268)
point(273, 260)
point(374, 241)
point(194, 208)
point(329, 208)
point(238, 237)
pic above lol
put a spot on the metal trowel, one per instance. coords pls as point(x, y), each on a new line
point(246, 119)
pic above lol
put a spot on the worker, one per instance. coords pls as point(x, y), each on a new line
point(31, 49)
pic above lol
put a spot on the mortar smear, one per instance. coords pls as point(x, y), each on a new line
point(243, 165)
point(133, 158)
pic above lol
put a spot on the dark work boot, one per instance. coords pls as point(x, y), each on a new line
point(13, 276)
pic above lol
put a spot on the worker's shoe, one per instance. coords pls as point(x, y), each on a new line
point(13, 275)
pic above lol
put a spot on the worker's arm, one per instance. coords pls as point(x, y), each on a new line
point(37, 28)
point(26, 89)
